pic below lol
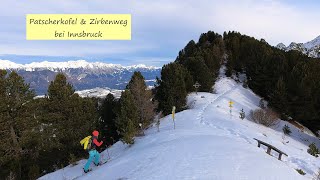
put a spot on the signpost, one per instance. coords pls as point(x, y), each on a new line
point(140, 124)
point(196, 85)
point(230, 105)
point(173, 112)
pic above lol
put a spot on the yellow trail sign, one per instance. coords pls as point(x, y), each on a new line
point(173, 111)
point(230, 103)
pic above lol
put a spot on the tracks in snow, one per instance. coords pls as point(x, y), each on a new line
point(200, 114)
point(229, 132)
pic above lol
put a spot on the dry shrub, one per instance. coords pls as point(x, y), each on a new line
point(313, 150)
point(300, 171)
point(266, 117)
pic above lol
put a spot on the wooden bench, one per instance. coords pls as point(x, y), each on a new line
point(270, 147)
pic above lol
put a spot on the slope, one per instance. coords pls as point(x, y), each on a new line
point(208, 143)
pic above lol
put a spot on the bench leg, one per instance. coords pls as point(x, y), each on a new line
point(280, 156)
point(258, 144)
point(269, 150)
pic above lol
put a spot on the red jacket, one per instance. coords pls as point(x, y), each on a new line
point(95, 141)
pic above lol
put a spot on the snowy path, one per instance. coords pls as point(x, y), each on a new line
point(207, 143)
point(200, 115)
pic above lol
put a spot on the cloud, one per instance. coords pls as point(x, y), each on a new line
point(161, 28)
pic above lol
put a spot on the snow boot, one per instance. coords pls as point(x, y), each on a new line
point(99, 163)
point(87, 170)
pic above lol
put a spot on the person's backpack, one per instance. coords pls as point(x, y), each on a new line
point(86, 142)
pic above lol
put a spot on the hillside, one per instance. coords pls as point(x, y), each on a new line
point(208, 143)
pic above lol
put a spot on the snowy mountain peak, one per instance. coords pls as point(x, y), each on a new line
point(281, 46)
point(315, 42)
point(311, 48)
point(6, 64)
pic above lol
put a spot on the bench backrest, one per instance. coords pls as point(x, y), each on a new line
point(274, 148)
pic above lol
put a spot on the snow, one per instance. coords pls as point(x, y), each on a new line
point(208, 143)
point(99, 92)
point(6, 64)
point(313, 43)
point(311, 48)
point(54, 66)
point(281, 46)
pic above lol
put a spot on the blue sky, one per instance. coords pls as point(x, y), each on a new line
point(159, 28)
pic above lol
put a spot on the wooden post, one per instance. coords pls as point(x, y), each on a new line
point(230, 105)
point(158, 125)
point(140, 124)
point(197, 85)
point(269, 150)
point(173, 112)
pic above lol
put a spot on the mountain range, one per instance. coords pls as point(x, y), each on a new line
point(81, 74)
point(311, 48)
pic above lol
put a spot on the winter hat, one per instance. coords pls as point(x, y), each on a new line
point(95, 133)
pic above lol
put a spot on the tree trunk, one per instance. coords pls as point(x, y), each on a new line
point(17, 150)
point(14, 138)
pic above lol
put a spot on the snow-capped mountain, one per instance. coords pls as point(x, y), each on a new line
point(281, 46)
point(6, 64)
point(311, 48)
point(99, 92)
point(82, 74)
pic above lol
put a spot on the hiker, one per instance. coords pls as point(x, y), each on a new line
point(93, 153)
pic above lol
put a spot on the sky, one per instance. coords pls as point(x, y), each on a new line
point(159, 28)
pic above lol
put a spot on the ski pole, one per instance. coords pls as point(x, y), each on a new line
point(108, 153)
point(101, 158)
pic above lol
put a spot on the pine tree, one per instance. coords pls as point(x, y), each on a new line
point(234, 45)
point(171, 89)
point(142, 99)
point(288, 80)
point(127, 121)
point(278, 98)
point(188, 79)
point(68, 118)
point(60, 89)
point(313, 150)
point(15, 122)
point(107, 123)
point(200, 72)
point(286, 130)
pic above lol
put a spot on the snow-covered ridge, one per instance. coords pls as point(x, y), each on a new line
point(6, 64)
point(311, 48)
point(313, 43)
point(209, 142)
